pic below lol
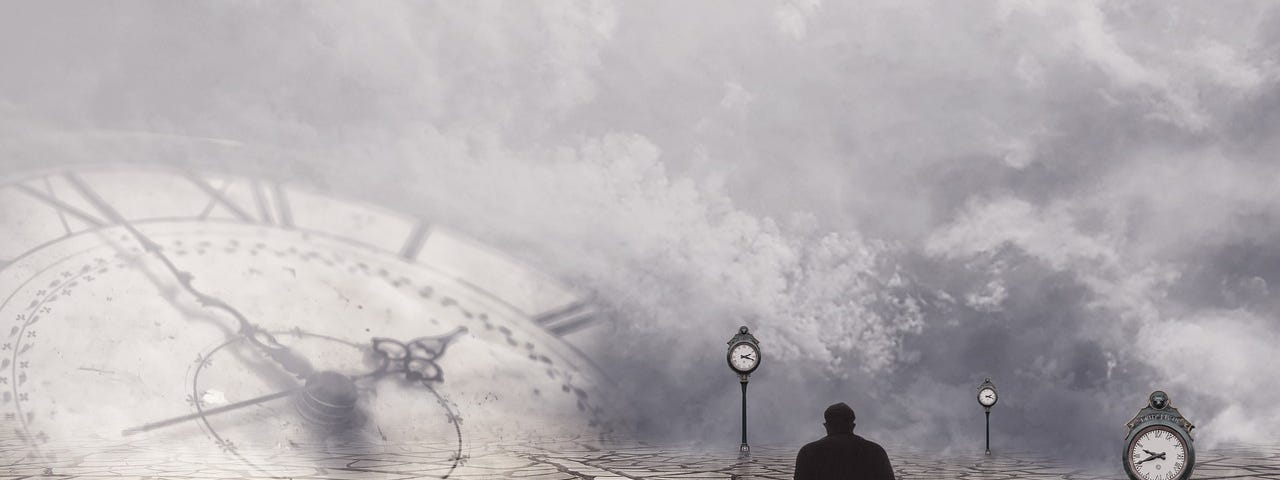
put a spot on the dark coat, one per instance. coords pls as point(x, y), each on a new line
point(843, 456)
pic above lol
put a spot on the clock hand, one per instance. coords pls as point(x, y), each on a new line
point(328, 399)
point(281, 354)
point(416, 359)
point(213, 411)
point(748, 357)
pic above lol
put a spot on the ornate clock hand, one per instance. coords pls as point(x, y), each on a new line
point(291, 362)
point(417, 359)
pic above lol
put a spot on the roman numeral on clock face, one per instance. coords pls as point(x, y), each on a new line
point(251, 201)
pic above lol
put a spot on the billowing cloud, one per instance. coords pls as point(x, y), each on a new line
point(1075, 199)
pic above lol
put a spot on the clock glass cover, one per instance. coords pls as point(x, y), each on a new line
point(744, 357)
point(1157, 452)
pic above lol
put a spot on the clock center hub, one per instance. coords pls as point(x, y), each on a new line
point(328, 399)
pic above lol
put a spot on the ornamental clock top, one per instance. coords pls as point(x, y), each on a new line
point(1159, 444)
point(1159, 407)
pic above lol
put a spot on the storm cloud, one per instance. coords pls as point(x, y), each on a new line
point(1076, 199)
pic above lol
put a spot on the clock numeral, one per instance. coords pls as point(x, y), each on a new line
point(568, 319)
point(273, 205)
point(217, 197)
point(417, 238)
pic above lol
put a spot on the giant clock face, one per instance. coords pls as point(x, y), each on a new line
point(1157, 452)
point(247, 316)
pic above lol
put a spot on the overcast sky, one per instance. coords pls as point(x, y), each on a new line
point(1078, 199)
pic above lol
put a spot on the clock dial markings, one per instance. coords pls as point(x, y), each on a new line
point(288, 360)
point(413, 244)
point(450, 293)
point(217, 196)
point(582, 320)
point(272, 203)
point(1156, 442)
point(283, 214)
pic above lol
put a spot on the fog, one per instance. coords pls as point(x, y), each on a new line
point(1077, 200)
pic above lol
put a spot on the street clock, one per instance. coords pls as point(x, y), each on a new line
point(987, 397)
point(744, 358)
point(1159, 445)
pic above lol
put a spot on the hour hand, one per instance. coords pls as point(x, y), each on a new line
point(748, 357)
point(416, 359)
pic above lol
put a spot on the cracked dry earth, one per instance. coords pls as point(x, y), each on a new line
point(559, 459)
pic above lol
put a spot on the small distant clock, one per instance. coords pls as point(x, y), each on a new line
point(744, 357)
point(987, 396)
point(1159, 445)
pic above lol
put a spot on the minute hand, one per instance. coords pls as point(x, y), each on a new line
point(260, 338)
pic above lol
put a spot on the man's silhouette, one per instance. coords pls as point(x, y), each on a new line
point(841, 455)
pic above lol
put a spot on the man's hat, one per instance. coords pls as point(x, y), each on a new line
point(839, 414)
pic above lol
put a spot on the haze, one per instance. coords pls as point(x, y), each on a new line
point(1077, 199)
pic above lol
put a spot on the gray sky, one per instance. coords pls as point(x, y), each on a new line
point(1075, 198)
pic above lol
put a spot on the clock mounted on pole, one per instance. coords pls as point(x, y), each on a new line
point(987, 397)
point(744, 358)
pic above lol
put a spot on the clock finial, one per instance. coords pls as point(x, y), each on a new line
point(1159, 399)
point(742, 329)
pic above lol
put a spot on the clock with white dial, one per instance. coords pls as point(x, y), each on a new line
point(987, 396)
point(1157, 452)
point(1159, 445)
point(744, 357)
point(246, 316)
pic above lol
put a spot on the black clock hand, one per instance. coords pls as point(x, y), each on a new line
point(328, 399)
point(205, 413)
point(291, 362)
point(415, 359)
point(748, 357)
point(1153, 456)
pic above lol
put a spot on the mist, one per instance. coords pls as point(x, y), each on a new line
point(1077, 200)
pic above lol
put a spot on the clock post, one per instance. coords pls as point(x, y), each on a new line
point(987, 397)
point(744, 358)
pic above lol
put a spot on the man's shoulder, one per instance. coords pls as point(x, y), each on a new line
point(868, 444)
point(816, 444)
